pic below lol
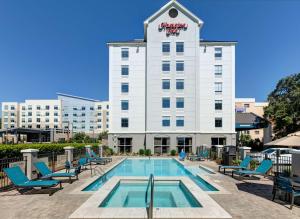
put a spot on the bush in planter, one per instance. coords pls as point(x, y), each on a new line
point(141, 152)
point(147, 152)
point(253, 164)
point(236, 162)
point(173, 152)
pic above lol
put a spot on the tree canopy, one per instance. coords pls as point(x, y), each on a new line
point(284, 106)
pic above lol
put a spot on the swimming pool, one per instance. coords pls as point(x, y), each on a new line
point(170, 194)
point(145, 167)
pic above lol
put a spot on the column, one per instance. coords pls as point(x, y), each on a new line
point(100, 150)
point(243, 152)
point(69, 152)
point(88, 148)
point(31, 156)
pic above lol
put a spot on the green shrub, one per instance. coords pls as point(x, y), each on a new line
point(108, 151)
point(141, 152)
point(236, 162)
point(253, 164)
point(173, 152)
point(7, 151)
point(147, 152)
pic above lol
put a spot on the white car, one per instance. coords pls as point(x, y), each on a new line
point(284, 158)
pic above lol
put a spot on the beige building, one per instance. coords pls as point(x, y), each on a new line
point(10, 115)
point(249, 105)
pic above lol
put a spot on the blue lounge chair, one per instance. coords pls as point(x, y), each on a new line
point(288, 186)
point(182, 155)
point(244, 165)
point(82, 162)
point(96, 160)
point(94, 155)
point(20, 180)
point(47, 173)
point(201, 156)
point(262, 170)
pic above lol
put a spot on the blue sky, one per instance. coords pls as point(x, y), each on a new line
point(54, 46)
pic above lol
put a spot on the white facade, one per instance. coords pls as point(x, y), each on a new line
point(10, 112)
point(174, 83)
point(40, 114)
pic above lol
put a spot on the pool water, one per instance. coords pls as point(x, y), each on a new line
point(166, 195)
point(145, 167)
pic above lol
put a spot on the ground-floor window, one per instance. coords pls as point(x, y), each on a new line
point(218, 141)
point(124, 145)
point(161, 145)
point(184, 143)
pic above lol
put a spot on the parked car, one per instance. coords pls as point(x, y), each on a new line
point(284, 158)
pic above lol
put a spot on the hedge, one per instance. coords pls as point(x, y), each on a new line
point(8, 151)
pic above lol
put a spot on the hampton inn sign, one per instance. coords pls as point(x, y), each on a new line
point(172, 28)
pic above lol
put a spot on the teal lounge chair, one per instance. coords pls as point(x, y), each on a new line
point(262, 169)
point(96, 160)
point(20, 180)
point(94, 155)
point(47, 173)
point(182, 156)
point(286, 185)
point(244, 165)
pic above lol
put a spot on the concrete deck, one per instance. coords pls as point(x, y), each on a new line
point(248, 199)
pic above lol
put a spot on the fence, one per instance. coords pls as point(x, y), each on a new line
point(10, 162)
point(55, 160)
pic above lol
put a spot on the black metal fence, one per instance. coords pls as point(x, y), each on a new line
point(55, 160)
point(10, 162)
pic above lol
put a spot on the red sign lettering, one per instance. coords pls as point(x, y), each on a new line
point(172, 29)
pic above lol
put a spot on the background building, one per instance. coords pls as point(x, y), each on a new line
point(10, 115)
point(249, 105)
point(171, 90)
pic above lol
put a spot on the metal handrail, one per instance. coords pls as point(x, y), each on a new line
point(149, 206)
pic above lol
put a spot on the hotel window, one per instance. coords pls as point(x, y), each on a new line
point(218, 53)
point(29, 107)
point(82, 108)
point(179, 66)
point(166, 102)
point(256, 132)
point(47, 107)
point(99, 126)
point(124, 53)
point(12, 114)
point(46, 120)
point(124, 105)
point(55, 126)
point(107, 126)
point(74, 108)
point(166, 47)
point(218, 122)
point(5, 107)
point(107, 106)
point(124, 88)
point(179, 84)
point(38, 119)
point(12, 120)
point(29, 120)
point(74, 114)
point(83, 114)
point(55, 107)
point(99, 107)
point(218, 70)
point(166, 121)
point(99, 114)
point(165, 66)
point(107, 113)
point(23, 108)
point(218, 87)
point(29, 113)
point(66, 115)
point(55, 120)
point(179, 102)
point(99, 120)
point(23, 119)
point(5, 119)
point(179, 121)
point(30, 126)
point(218, 104)
point(246, 105)
point(165, 84)
point(12, 107)
point(55, 114)
point(218, 141)
point(180, 47)
point(92, 108)
point(125, 70)
point(38, 107)
point(124, 123)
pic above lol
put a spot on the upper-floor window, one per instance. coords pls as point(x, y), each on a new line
point(218, 87)
point(47, 107)
point(38, 119)
point(83, 108)
point(218, 105)
point(99, 107)
point(179, 66)
point(91, 108)
point(124, 87)
point(166, 47)
point(23, 108)
point(124, 122)
point(29, 107)
point(180, 47)
point(165, 84)
point(107, 106)
point(166, 66)
point(12, 107)
point(218, 53)
point(125, 70)
point(218, 70)
point(218, 122)
point(125, 53)
point(5, 107)
point(179, 121)
point(124, 105)
point(47, 114)
point(55, 107)
point(179, 102)
point(166, 121)
point(246, 105)
point(55, 113)
point(166, 102)
point(29, 113)
point(38, 107)
point(179, 84)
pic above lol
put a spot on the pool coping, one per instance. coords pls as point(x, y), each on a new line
point(90, 209)
point(205, 177)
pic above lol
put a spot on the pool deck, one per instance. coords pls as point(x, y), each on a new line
point(244, 199)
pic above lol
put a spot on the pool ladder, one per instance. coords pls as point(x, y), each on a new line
point(149, 205)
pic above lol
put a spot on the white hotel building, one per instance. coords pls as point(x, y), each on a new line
point(171, 90)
